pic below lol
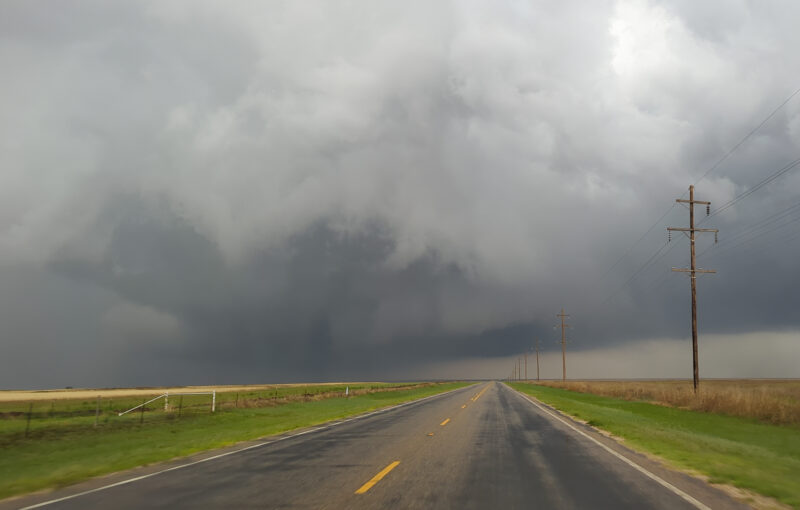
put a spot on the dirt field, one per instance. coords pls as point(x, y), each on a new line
point(771, 400)
point(84, 393)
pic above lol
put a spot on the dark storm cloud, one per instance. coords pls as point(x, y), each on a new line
point(310, 303)
point(194, 192)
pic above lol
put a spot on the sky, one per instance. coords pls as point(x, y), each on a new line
point(196, 192)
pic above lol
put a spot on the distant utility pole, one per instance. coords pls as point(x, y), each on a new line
point(537, 359)
point(526, 366)
point(563, 345)
point(693, 270)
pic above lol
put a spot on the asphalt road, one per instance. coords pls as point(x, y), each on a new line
point(483, 447)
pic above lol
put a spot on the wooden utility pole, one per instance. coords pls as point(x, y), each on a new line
point(563, 345)
point(693, 271)
point(537, 359)
point(526, 366)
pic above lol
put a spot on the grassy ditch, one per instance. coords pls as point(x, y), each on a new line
point(67, 450)
point(738, 451)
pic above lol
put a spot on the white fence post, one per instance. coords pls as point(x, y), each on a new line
point(165, 396)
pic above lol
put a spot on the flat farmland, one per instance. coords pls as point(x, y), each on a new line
point(83, 394)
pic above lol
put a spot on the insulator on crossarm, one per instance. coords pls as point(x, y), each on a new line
point(669, 237)
point(708, 210)
point(716, 239)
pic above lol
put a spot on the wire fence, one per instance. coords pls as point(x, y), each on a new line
point(32, 419)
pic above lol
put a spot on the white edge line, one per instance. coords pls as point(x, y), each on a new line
point(621, 457)
point(265, 443)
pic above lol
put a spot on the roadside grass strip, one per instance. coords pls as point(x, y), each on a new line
point(63, 457)
point(731, 450)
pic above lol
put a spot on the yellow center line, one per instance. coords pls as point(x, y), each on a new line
point(444, 422)
point(377, 478)
point(479, 394)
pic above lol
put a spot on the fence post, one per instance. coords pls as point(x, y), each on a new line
point(97, 411)
point(213, 400)
point(166, 402)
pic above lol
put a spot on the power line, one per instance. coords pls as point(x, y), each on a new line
point(653, 260)
point(641, 268)
point(747, 137)
point(673, 245)
point(763, 233)
point(631, 247)
point(759, 225)
point(756, 228)
point(792, 237)
point(730, 203)
point(766, 221)
point(705, 174)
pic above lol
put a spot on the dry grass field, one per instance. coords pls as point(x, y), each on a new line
point(84, 394)
point(774, 401)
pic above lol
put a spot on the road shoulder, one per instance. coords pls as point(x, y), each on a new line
point(690, 484)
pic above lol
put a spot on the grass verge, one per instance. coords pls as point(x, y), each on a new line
point(732, 450)
point(76, 454)
point(775, 401)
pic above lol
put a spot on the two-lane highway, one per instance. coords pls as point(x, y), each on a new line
point(484, 446)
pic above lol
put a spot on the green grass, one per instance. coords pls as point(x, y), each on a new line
point(65, 449)
point(738, 451)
